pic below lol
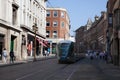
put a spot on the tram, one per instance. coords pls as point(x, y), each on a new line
point(65, 51)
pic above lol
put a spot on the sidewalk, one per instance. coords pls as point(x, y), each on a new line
point(96, 69)
point(29, 59)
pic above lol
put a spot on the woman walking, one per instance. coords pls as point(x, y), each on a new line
point(5, 55)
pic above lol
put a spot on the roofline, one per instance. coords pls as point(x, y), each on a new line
point(56, 8)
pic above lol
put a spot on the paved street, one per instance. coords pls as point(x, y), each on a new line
point(40, 70)
point(49, 69)
point(96, 69)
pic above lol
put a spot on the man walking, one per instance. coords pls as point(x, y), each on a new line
point(12, 56)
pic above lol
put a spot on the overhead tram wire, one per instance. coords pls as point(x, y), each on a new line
point(49, 4)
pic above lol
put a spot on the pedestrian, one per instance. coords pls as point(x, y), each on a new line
point(101, 55)
point(45, 52)
point(91, 56)
point(105, 57)
point(5, 55)
point(48, 51)
point(12, 56)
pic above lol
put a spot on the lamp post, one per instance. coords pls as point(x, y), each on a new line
point(35, 29)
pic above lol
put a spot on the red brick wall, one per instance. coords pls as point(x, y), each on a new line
point(61, 30)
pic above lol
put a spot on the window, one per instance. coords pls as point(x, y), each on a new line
point(23, 40)
point(47, 23)
point(14, 14)
point(47, 34)
point(110, 19)
point(55, 23)
point(30, 5)
point(55, 13)
point(117, 19)
point(48, 14)
point(62, 14)
point(54, 34)
point(62, 24)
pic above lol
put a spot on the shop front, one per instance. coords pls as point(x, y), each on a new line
point(1, 45)
point(31, 46)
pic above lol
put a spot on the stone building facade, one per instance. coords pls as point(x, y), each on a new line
point(79, 43)
point(113, 30)
point(32, 14)
point(92, 35)
point(101, 27)
point(17, 18)
point(10, 32)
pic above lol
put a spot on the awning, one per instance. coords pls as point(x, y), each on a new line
point(41, 42)
point(45, 42)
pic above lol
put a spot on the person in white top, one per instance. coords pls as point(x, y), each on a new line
point(5, 55)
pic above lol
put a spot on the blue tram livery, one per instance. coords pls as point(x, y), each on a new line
point(65, 51)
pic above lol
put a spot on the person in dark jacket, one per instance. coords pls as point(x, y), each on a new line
point(12, 56)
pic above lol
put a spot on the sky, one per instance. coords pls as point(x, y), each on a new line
point(80, 11)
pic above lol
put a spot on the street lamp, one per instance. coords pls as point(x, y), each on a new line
point(35, 29)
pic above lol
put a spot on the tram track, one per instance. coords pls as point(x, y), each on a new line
point(47, 72)
point(67, 70)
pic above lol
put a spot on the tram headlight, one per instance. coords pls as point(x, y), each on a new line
point(68, 57)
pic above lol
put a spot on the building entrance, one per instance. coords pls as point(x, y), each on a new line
point(1, 45)
point(12, 42)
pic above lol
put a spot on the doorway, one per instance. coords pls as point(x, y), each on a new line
point(1, 45)
point(12, 43)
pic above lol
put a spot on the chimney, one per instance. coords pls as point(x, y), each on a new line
point(96, 18)
point(102, 13)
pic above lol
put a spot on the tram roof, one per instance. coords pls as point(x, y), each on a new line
point(65, 41)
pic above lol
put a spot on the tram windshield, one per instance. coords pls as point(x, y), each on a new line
point(64, 45)
point(64, 49)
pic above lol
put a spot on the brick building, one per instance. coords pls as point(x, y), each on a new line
point(57, 25)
